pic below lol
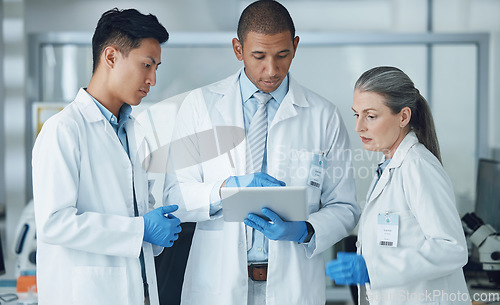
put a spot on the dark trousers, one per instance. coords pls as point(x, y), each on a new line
point(350, 246)
point(171, 264)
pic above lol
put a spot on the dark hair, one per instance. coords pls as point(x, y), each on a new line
point(266, 17)
point(125, 30)
point(399, 92)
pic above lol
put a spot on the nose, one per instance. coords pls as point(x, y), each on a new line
point(359, 125)
point(272, 67)
point(151, 80)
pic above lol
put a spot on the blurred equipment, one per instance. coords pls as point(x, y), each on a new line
point(487, 240)
point(488, 192)
point(2, 261)
point(25, 243)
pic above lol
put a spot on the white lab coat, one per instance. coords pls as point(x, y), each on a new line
point(305, 124)
point(431, 251)
point(88, 240)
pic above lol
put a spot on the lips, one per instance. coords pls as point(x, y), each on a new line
point(144, 92)
point(271, 83)
point(365, 140)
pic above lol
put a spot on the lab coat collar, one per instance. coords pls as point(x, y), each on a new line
point(408, 142)
point(294, 97)
point(399, 155)
point(248, 89)
point(87, 106)
point(296, 93)
point(230, 106)
point(135, 134)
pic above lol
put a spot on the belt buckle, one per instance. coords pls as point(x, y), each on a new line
point(257, 272)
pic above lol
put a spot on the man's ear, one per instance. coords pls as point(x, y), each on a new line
point(238, 49)
point(110, 55)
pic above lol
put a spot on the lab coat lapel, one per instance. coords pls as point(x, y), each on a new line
point(400, 154)
point(382, 182)
point(230, 109)
point(138, 147)
point(91, 112)
point(294, 97)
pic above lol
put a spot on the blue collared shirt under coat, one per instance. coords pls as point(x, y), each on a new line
point(259, 250)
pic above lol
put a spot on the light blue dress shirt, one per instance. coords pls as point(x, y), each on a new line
point(260, 243)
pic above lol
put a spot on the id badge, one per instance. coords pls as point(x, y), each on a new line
point(387, 229)
point(317, 171)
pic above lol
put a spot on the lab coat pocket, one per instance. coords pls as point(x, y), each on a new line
point(99, 285)
point(410, 235)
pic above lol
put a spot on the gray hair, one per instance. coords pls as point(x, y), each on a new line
point(399, 92)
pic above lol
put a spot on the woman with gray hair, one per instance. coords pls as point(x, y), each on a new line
point(411, 245)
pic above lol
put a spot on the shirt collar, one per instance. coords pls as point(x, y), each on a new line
point(124, 115)
point(381, 166)
point(248, 88)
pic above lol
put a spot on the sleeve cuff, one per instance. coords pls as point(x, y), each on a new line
point(215, 199)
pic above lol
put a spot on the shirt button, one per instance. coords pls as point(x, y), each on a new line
point(112, 119)
point(358, 244)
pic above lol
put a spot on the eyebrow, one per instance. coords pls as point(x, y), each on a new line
point(365, 110)
point(282, 51)
point(153, 60)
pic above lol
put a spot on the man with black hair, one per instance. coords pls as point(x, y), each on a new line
point(292, 136)
point(97, 230)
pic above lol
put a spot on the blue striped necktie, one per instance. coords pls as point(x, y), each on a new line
point(257, 134)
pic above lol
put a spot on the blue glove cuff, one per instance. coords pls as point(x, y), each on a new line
point(304, 235)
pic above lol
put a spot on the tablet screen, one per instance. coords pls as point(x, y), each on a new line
point(289, 202)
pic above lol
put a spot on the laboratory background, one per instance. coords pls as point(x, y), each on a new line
point(449, 48)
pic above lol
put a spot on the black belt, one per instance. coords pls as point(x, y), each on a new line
point(257, 272)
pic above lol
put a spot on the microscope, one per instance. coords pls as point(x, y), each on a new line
point(25, 243)
point(487, 241)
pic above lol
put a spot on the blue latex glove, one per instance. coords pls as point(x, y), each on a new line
point(277, 229)
point(348, 269)
point(160, 227)
point(253, 180)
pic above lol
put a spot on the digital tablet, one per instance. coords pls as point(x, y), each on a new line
point(289, 202)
